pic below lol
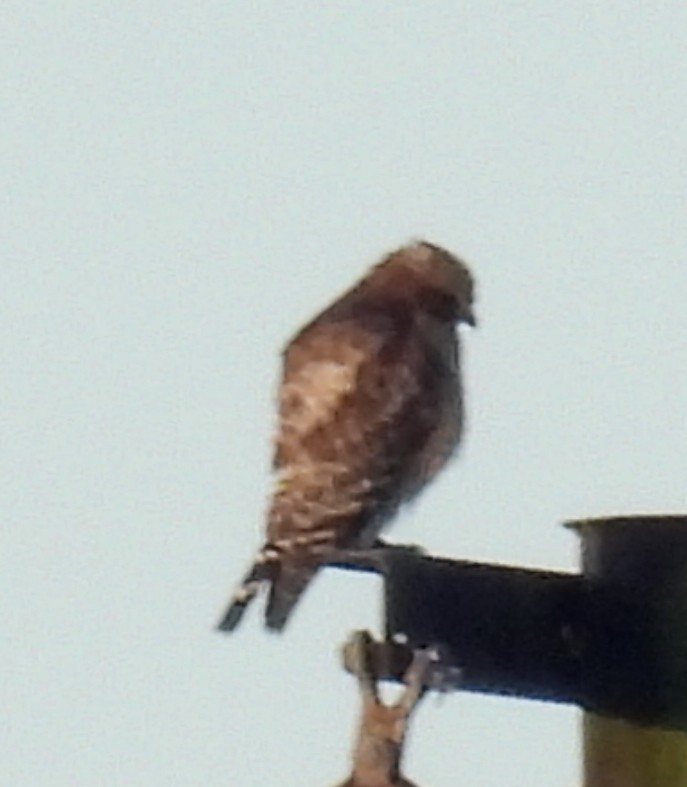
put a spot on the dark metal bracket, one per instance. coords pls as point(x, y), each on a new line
point(612, 640)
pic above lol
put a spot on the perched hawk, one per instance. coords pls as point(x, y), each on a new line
point(370, 409)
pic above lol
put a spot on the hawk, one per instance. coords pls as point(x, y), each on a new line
point(370, 409)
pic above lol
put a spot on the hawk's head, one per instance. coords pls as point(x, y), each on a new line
point(432, 278)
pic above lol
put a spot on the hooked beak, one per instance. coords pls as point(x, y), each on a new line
point(469, 317)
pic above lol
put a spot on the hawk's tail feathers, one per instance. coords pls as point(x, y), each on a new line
point(287, 586)
point(265, 568)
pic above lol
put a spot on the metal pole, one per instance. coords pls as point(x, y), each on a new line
point(645, 558)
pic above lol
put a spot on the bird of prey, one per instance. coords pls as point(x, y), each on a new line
point(370, 408)
point(382, 728)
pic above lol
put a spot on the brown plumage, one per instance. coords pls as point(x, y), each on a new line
point(370, 409)
point(382, 728)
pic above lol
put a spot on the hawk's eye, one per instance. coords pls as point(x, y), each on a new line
point(440, 303)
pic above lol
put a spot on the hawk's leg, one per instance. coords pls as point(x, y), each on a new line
point(368, 560)
point(374, 559)
point(394, 548)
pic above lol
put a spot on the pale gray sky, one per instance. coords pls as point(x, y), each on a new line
point(185, 183)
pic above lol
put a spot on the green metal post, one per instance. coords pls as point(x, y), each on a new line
point(644, 557)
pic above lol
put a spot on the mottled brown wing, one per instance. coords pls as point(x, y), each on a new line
point(358, 400)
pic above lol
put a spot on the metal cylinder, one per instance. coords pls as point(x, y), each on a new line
point(643, 560)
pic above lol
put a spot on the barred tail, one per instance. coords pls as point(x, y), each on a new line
point(288, 583)
point(264, 568)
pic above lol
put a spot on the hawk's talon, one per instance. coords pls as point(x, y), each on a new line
point(373, 559)
point(368, 560)
point(393, 547)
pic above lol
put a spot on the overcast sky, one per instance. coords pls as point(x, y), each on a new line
point(183, 184)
